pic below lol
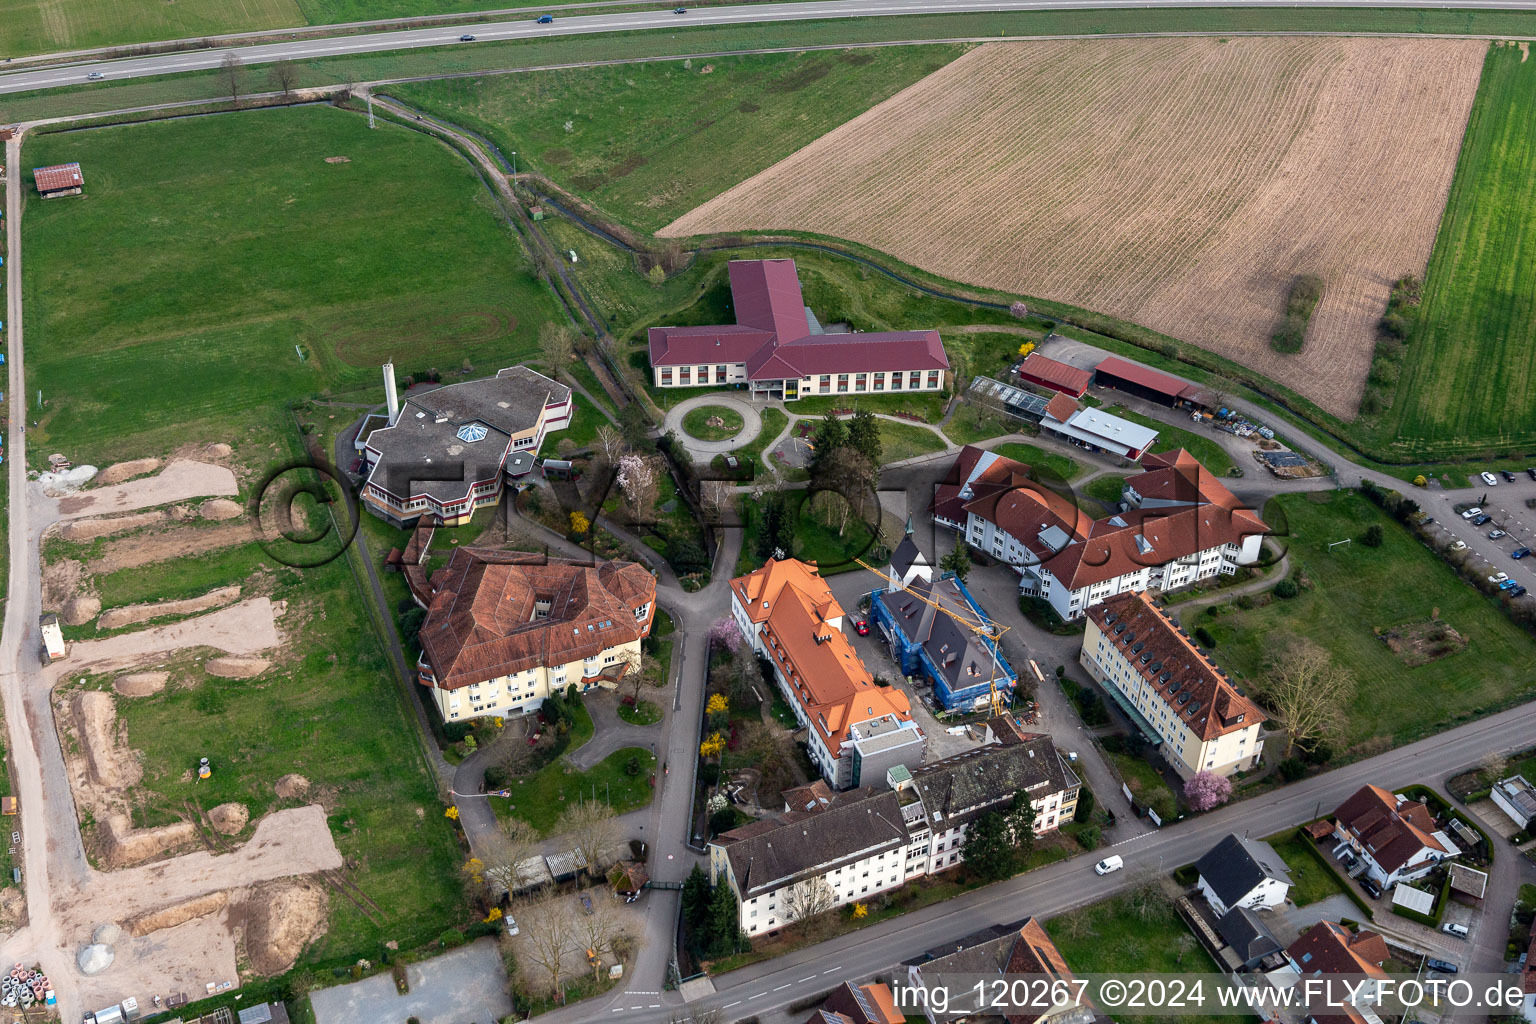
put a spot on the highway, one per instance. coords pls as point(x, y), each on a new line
point(25, 80)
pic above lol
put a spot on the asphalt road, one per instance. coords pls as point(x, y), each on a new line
point(528, 28)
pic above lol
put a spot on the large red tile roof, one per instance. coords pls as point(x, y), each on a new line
point(1188, 682)
point(1146, 377)
point(1393, 832)
point(481, 621)
point(1330, 948)
point(60, 176)
point(1061, 376)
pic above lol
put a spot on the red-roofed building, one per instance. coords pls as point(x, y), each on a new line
point(1397, 839)
point(1181, 524)
point(1331, 949)
point(776, 348)
point(1528, 983)
point(59, 180)
point(1145, 382)
point(1047, 372)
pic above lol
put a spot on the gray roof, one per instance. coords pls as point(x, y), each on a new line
point(1247, 935)
point(1235, 866)
point(961, 656)
point(768, 855)
point(884, 733)
point(960, 787)
point(983, 952)
point(906, 555)
point(423, 452)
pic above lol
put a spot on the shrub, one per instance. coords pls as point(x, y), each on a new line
point(1084, 805)
point(1372, 537)
point(1286, 589)
point(451, 938)
point(722, 820)
point(1089, 838)
point(1292, 768)
point(709, 774)
point(497, 777)
point(456, 731)
point(1018, 310)
point(1245, 602)
point(632, 766)
point(1203, 637)
point(1306, 290)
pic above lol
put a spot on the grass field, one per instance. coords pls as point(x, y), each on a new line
point(1469, 377)
point(540, 798)
point(1052, 462)
point(49, 26)
point(1111, 937)
point(630, 139)
point(1260, 133)
point(1310, 881)
point(1105, 489)
point(696, 422)
point(906, 440)
point(123, 298)
point(1356, 589)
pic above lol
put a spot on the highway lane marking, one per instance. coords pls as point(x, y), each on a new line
point(802, 981)
point(782, 987)
point(758, 996)
point(727, 1006)
point(830, 970)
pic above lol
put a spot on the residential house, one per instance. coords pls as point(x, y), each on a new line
point(504, 628)
point(777, 349)
point(1179, 525)
point(856, 730)
point(939, 801)
point(938, 632)
point(1176, 695)
point(1025, 951)
point(805, 862)
point(1331, 949)
point(1239, 872)
point(1395, 837)
point(1516, 798)
point(858, 1004)
point(1254, 947)
point(447, 452)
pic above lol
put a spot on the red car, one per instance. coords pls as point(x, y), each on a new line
point(861, 627)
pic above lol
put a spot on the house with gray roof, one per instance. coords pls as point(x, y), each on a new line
point(1239, 872)
point(1253, 945)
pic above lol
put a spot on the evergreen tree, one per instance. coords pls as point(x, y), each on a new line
point(724, 926)
point(778, 525)
point(830, 436)
point(1021, 825)
point(988, 851)
point(696, 898)
point(958, 561)
point(864, 436)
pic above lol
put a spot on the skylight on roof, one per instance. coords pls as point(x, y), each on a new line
point(472, 432)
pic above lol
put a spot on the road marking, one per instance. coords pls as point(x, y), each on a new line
point(802, 981)
point(727, 1006)
point(617, 1009)
point(654, 1006)
point(758, 996)
point(830, 970)
point(782, 987)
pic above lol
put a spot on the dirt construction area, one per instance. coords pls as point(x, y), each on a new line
point(178, 481)
point(1182, 184)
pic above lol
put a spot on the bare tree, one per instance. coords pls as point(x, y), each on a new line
point(805, 899)
point(1306, 692)
point(598, 932)
point(638, 667)
point(503, 851)
point(549, 937)
point(714, 499)
point(232, 73)
point(610, 444)
point(284, 75)
point(556, 346)
point(592, 826)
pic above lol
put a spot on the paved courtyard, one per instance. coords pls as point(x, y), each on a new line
point(466, 986)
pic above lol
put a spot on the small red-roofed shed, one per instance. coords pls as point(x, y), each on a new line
point(59, 180)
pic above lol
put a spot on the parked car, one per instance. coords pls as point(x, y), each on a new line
point(1370, 886)
point(1495, 534)
point(1443, 966)
point(1426, 520)
point(1490, 480)
point(466, 39)
point(546, 19)
point(861, 627)
point(1484, 518)
point(1517, 591)
point(1458, 930)
point(1498, 577)
point(1530, 471)
point(1508, 585)
point(510, 923)
point(1108, 864)
point(1472, 513)
point(1460, 545)
point(1509, 477)
point(1519, 552)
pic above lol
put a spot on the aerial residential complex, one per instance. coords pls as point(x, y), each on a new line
point(1170, 689)
point(857, 730)
point(837, 851)
point(778, 350)
point(504, 628)
point(449, 451)
point(1178, 525)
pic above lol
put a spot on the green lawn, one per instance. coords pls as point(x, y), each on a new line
point(1113, 938)
point(312, 289)
point(906, 440)
point(643, 713)
point(1202, 446)
point(186, 576)
point(971, 424)
point(586, 421)
point(696, 422)
point(774, 423)
point(542, 797)
point(1063, 466)
point(331, 712)
point(630, 138)
point(1310, 881)
point(1106, 489)
point(36, 26)
point(1355, 590)
point(1469, 373)
point(1146, 784)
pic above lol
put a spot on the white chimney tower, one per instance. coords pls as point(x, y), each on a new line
point(391, 398)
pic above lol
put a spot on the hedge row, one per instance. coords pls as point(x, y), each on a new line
point(1322, 858)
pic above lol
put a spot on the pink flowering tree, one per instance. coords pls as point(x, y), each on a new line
point(724, 633)
point(1019, 310)
point(1206, 790)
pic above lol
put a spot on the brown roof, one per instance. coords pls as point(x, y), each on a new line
point(1320, 829)
point(813, 796)
point(1145, 376)
point(829, 680)
point(864, 1004)
point(1186, 680)
point(60, 176)
point(481, 619)
point(1035, 953)
point(1393, 833)
point(1061, 408)
point(1329, 948)
point(758, 590)
point(1062, 377)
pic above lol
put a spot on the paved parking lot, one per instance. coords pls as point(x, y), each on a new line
point(466, 986)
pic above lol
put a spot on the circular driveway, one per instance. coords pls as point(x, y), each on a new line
point(704, 451)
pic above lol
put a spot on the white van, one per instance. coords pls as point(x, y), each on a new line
point(1109, 864)
point(1458, 930)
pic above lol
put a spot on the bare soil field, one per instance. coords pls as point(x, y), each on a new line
point(178, 481)
point(1177, 183)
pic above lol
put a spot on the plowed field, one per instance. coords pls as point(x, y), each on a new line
point(1178, 183)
